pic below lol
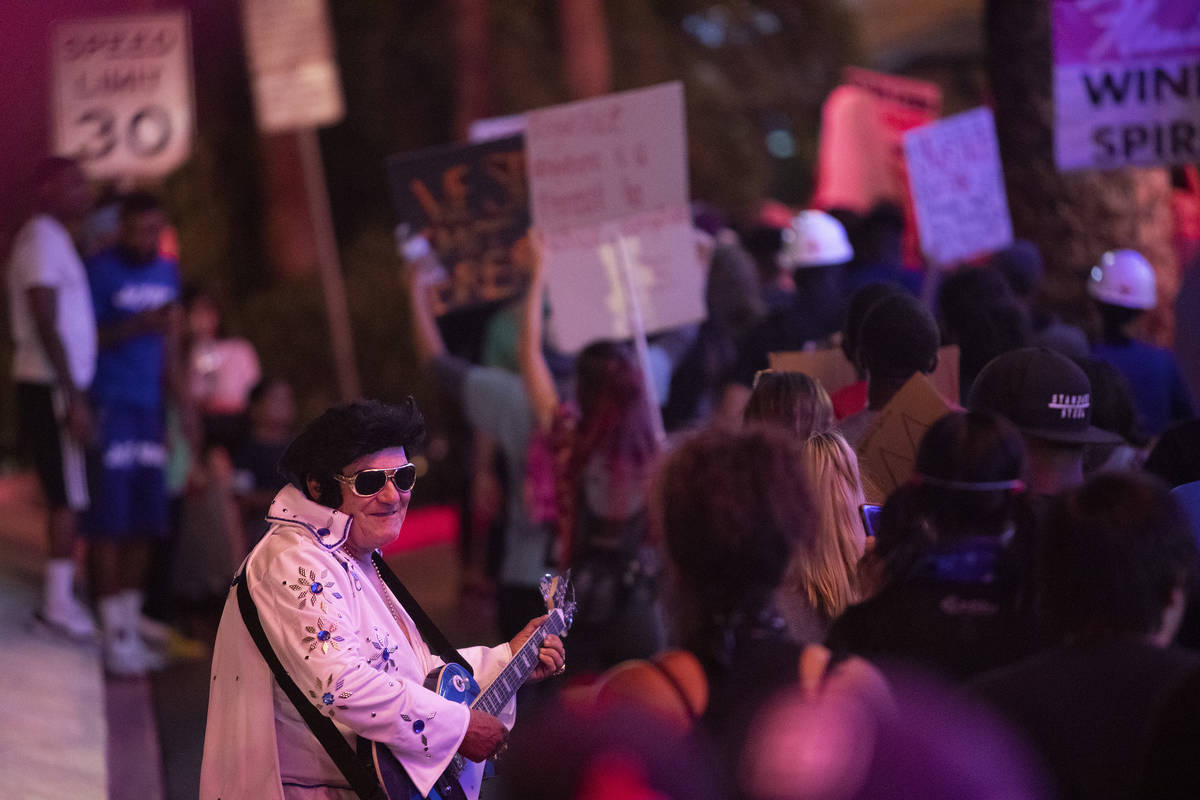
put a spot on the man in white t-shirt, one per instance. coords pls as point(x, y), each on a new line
point(54, 333)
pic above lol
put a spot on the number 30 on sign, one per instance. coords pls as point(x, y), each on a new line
point(123, 93)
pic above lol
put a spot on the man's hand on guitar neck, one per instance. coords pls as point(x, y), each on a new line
point(486, 737)
point(552, 658)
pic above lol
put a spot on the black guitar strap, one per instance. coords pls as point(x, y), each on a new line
point(364, 782)
point(437, 641)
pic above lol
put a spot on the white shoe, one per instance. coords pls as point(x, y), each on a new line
point(153, 631)
point(125, 657)
point(71, 620)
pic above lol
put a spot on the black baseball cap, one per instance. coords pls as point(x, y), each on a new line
point(1045, 394)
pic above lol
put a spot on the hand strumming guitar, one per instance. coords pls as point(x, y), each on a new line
point(486, 737)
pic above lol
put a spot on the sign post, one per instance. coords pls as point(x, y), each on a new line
point(123, 94)
point(294, 76)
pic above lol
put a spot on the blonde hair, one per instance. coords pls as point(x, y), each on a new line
point(823, 568)
point(791, 399)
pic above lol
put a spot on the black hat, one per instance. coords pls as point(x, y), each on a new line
point(1043, 393)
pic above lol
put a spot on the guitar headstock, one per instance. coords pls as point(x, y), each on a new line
point(558, 592)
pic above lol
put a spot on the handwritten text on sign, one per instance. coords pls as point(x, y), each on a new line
point(123, 93)
point(608, 167)
point(1126, 82)
point(958, 187)
point(472, 202)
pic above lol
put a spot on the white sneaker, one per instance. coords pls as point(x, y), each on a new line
point(71, 620)
point(153, 631)
point(125, 657)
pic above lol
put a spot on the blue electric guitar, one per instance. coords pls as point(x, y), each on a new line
point(462, 779)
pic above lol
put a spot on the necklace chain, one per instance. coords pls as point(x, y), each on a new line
point(382, 588)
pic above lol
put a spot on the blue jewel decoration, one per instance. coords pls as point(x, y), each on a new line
point(323, 635)
point(330, 693)
point(322, 532)
point(418, 726)
point(311, 586)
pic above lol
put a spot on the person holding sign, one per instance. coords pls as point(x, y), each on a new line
point(580, 473)
point(602, 448)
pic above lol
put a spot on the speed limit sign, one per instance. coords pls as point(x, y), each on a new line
point(123, 93)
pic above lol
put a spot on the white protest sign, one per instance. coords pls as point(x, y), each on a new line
point(957, 187)
point(614, 166)
point(123, 93)
point(295, 80)
point(1126, 83)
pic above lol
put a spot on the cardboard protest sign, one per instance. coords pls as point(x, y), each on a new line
point(834, 370)
point(1126, 85)
point(472, 201)
point(888, 453)
point(958, 187)
point(861, 157)
point(604, 169)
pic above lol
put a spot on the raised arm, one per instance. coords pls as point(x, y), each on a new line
point(421, 260)
point(539, 383)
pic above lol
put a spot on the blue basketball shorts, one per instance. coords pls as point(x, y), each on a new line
point(128, 480)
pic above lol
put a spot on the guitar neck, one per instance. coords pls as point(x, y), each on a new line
point(496, 696)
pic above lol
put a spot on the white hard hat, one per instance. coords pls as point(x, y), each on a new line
point(1123, 278)
point(814, 239)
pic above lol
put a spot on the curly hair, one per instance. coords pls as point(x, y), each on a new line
point(345, 433)
point(731, 507)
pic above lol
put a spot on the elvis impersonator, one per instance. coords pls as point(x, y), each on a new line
point(314, 592)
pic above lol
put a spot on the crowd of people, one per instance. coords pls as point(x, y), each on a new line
point(751, 615)
point(152, 435)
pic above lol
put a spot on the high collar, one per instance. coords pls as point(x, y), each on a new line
point(329, 528)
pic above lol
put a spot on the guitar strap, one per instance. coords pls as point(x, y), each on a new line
point(439, 645)
point(364, 782)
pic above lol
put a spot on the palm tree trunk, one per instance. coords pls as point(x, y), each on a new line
point(1072, 217)
point(587, 60)
point(472, 55)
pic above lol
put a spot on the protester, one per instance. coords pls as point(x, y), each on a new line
point(821, 580)
point(791, 399)
point(347, 643)
point(979, 313)
point(897, 339)
point(54, 360)
point(815, 250)
point(1113, 411)
point(136, 296)
point(1049, 398)
point(1021, 266)
point(493, 401)
point(852, 398)
point(727, 552)
point(600, 454)
point(1124, 289)
point(952, 549)
point(1115, 559)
